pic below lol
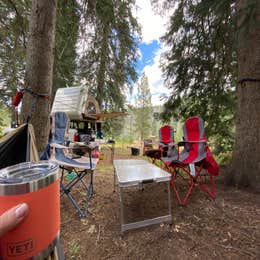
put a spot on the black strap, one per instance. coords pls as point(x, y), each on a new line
point(35, 97)
point(241, 81)
point(29, 117)
point(38, 95)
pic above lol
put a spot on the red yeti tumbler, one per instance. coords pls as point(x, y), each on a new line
point(36, 184)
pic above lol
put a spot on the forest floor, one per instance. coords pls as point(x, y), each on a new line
point(225, 228)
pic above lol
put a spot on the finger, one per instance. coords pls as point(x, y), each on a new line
point(12, 218)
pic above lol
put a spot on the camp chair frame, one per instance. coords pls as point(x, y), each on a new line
point(166, 138)
point(165, 142)
point(65, 188)
point(82, 167)
point(178, 169)
point(147, 145)
point(190, 169)
point(81, 175)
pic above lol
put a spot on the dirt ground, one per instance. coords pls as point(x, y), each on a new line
point(226, 228)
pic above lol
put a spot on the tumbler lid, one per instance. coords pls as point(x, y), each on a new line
point(27, 177)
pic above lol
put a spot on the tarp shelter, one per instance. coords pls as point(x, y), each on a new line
point(18, 146)
point(110, 115)
point(79, 106)
point(76, 103)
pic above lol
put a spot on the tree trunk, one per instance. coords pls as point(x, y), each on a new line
point(102, 67)
point(246, 155)
point(39, 68)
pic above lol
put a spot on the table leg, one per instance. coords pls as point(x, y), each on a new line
point(169, 199)
point(121, 208)
point(114, 179)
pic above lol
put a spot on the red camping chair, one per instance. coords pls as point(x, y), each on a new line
point(166, 140)
point(194, 157)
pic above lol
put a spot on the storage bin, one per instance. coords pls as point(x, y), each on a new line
point(135, 151)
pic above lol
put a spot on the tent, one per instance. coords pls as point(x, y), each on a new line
point(18, 146)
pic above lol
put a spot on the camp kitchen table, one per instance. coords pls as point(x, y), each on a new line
point(136, 172)
point(110, 144)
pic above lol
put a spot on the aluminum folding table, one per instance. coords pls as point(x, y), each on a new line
point(138, 172)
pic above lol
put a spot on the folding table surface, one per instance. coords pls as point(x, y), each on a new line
point(136, 172)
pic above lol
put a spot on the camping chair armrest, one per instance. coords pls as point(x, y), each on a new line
point(60, 146)
point(173, 145)
point(88, 146)
point(182, 143)
point(92, 146)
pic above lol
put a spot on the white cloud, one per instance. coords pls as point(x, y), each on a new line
point(155, 78)
point(153, 25)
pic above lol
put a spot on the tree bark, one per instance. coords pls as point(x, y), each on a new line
point(246, 156)
point(39, 67)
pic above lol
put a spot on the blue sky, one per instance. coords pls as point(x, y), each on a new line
point(148, 52)
point(153, 27)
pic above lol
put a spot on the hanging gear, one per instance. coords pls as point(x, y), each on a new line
point(19, 95)
point(17, 98)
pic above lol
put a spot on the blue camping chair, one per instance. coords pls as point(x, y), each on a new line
point(75, 170)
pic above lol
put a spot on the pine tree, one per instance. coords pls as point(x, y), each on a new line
point(215, 54)
point(13, 38)
point(200, 66)
point(143, 110)
point(65, 55)
point(13, 41)
point(108, 64)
